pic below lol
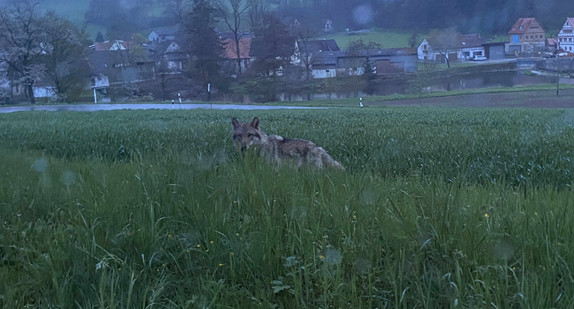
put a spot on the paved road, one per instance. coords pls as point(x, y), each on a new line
point(109, 107)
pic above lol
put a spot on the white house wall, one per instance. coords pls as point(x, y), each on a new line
point(44, 92)
point(566, 36)
point(324, 73)
point(428, 55)
point(472, 52)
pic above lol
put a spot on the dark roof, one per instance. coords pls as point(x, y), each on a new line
point(494, 44)
point(470, 40)
point(381, 52)
point(102, 61)
point(157, 50)
point(327, 58)
point(330, 58)
point(168, 30)
point(319, 45)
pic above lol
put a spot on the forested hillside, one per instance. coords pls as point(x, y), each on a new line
point(120, 18)
point(485, 16)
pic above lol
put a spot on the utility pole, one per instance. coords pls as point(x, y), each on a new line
point(558, 73)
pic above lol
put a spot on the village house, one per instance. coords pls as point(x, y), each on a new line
point(113, 45)
point(463, 47)
point(4, 84)
point(383, 61)
point(396, 61)
point(552, 44)
point(326, 60)
point(230, 63)
point(117, 63)
point(306, 49)
point(168, 56)
point(527, 36)
point(11, 87)
point(163, 34)
point(494, 50)
point(566, 36)
point(324, 64)
point(328, 25)
point(319, 55)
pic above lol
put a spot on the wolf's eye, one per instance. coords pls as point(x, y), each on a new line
point(251, 134)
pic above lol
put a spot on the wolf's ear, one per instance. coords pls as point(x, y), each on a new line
point(234, 122)
point(255, 123)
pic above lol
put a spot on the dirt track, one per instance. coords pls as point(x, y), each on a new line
point(534, 99)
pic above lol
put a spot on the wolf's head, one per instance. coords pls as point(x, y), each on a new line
point(247, 135)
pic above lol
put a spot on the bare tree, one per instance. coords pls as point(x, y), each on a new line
point(64, 64)
point(23, 44)
point(257, 11)
point(304, 51)
point(177, 9)
point(445, 42)
point(232, 16)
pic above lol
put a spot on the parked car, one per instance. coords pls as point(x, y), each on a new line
point(479, 58)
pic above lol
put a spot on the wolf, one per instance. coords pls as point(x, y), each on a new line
point(277, 149)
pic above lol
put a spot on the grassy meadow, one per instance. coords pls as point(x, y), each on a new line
point(438, 208)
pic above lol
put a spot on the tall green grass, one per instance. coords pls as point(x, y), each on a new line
point(438, 208)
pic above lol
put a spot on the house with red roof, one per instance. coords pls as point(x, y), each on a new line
point(230, 53)
point(455, 46)
point(526, 36)
point(566, 36)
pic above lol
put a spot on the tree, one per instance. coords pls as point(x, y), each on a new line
point(445, 42)
point(23, 44)
point(63, 62)
point(361, 45)
point(425, 78)
point(272, 46)
point(232, 17)
point(203, 42)
point(99, 37)
point(305, 53)
point(257, 11)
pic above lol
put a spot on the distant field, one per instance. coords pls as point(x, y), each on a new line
point(72, 10)
point(76, 10)
point(438, 208)
point(387, 39)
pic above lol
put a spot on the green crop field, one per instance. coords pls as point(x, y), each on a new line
point(438, 208)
